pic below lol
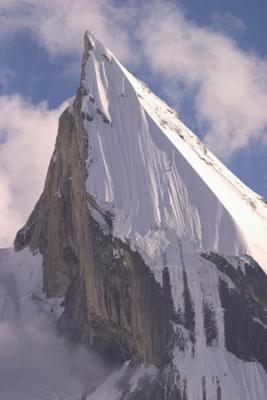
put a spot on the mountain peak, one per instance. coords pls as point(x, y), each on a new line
point(166, 175)
point(93, 45)
point(157, 249)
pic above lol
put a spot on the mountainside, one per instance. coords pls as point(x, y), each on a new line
point(146, 249)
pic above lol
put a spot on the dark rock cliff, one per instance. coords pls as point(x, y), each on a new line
point(113, 302)
point(245, 315)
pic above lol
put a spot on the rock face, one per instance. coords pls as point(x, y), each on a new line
point(113, 302)
point(244, 309)
point(143, 286)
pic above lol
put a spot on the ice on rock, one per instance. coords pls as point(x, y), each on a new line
point(157, 177)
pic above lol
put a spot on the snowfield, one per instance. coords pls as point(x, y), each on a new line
point(172, 200)
point(156, 177)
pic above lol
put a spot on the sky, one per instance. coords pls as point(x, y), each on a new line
point(206, 58)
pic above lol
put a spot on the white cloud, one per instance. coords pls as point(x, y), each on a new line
point(59, 25)
point(27, 135)
point(230, 85)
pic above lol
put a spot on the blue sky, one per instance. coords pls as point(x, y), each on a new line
point(207, 58)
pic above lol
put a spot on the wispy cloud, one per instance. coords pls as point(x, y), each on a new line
point(229, 84)
point(229, 24)
point(36, 364)
point(5, 76)
point(59, 25)
point(27, 136)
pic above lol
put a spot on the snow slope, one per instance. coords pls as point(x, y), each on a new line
point(155, 175)
point(171, 199)
point(239, 379)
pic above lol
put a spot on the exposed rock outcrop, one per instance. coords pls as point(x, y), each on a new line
point(180, 317)
point(245, 308)
point(112, 301)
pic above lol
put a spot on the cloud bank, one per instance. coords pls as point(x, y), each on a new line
point(27, 136)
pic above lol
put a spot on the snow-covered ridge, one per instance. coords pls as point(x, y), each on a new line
point(156, 177)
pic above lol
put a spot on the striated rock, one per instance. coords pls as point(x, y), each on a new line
point(112, 301)
point(158, 278)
